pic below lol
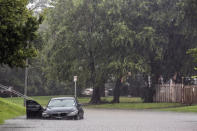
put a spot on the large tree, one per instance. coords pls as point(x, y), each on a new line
point(100, 40)
point(73, 27)
point(17, 29)
point(190, 8)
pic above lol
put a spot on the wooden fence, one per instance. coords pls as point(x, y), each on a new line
point(176, 93)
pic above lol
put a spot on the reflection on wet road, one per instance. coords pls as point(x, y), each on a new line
point(110, 120)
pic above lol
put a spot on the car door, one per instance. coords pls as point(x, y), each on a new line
point(33, 109)
point(79, 107)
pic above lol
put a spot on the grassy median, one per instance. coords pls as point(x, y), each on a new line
point(13, 107)
point(43, 100)
point(135, 106)
point(125, 103)
point(182, 109)
point(9, 110)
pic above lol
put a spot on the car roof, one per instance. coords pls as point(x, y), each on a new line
point(67, 98)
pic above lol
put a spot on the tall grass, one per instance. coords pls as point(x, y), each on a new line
point(43, 100)
point(9, 110)
point(182, 109)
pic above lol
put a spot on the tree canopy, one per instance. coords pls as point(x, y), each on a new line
point(18, 28)
point(103, 40)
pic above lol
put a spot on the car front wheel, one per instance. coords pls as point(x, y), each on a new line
point(77, 117)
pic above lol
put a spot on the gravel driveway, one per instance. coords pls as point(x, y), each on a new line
point(110, 120)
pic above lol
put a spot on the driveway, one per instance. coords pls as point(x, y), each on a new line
point(110, 120)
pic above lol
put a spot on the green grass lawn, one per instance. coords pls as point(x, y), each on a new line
point(125, 99)
point(43, 100)
point(135, 105)
point(12, 107)
point(9, 110)
point(182, 109)
point(125, 102)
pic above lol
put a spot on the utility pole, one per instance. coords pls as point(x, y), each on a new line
point(26, 77)
point(75, 80)
point(149, 81)
point(26, 80)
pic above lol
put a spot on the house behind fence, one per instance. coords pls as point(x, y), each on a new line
point(176, 93)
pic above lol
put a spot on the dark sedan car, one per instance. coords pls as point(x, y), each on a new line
point(57, 108)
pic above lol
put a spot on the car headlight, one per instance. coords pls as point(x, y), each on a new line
point(73, 113)
point(44, 114)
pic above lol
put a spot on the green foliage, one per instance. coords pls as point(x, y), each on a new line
point(100, 40)
point(193, 52)
point(12, 77)
point(190, 8)
point(38, 84)
point(91, 29)
point(18, 27)
point(9, 110)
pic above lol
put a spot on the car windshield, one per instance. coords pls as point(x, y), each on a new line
point(61, 103)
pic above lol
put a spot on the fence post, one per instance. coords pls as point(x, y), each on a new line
point(182, 91)
point(192, 95)
point(171, 90)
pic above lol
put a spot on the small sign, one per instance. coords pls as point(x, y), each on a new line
point(75, 78)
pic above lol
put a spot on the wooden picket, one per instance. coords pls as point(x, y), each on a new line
point(176, 93)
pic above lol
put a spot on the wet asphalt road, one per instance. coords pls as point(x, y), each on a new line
point(110, 120)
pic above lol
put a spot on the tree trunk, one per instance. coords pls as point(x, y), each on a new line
point(96, 98)
point(102, 85)
point(102, 90)
point(156, 69)
point(149, 92)
point(117, 91)
point(96, 88)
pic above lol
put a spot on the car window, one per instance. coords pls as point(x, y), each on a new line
point(32, 103)
point(61, 103)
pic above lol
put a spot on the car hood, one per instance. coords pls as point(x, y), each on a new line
point(60, 109)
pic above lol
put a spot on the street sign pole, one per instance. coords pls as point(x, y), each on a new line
point(26, 75)
point(26, 79)
point(75, 80)
point(75, 89)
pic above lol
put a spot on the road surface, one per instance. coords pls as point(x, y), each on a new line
point(110, 120)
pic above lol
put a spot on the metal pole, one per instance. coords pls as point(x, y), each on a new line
point(26, 80)
point(182, 95)
point(75, 80)
point(26, 76)
point(75, 89)
point(149, 81)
